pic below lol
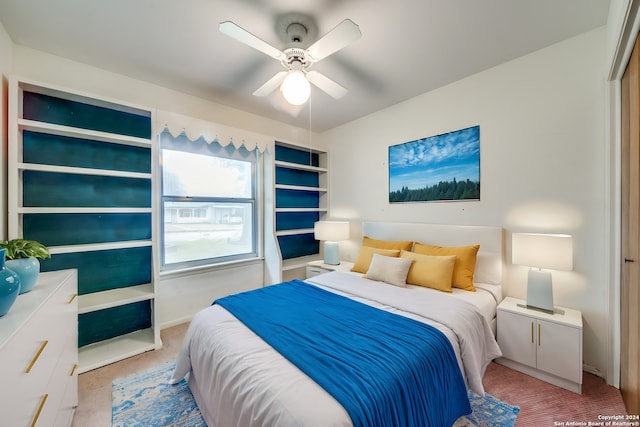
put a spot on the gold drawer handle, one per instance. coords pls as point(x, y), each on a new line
point(532, 332)
point(539, 335)
point(72, 298)
point(73, 370)
point(42, 401)
point(35, 359)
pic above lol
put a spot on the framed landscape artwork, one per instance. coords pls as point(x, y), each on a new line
point(436, 168)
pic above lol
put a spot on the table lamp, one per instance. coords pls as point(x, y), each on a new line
point(541, 251)
point(331, 232)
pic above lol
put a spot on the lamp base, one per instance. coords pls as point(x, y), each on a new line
point(331, 253)
point(555, 310)
point(540, 291)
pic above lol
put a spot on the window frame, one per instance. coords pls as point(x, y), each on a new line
point(201, 147)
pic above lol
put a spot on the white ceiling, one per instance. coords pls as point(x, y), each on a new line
point(408, 47)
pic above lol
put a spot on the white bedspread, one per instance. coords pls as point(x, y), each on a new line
point(239, 380)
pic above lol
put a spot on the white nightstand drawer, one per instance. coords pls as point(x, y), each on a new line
point(314, 271)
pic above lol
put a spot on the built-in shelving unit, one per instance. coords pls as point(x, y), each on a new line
point(300, 185)
point(80, 180)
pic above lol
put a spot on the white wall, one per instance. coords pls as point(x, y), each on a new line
point(179, 296)
point(6, 65)
point(543, 168)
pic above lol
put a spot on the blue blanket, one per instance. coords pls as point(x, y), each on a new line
point(383, 368)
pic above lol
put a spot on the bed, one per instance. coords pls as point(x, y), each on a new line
point(238, 379)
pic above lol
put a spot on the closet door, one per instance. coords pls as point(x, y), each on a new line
point(630, 239)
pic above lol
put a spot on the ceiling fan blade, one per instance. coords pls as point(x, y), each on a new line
point(272, 84)
point(341, 36)
point(326, 84)
point(232, 30)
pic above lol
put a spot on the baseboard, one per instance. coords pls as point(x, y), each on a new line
point(592, 370)
point(176, 322)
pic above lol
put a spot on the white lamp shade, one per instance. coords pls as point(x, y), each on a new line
point(296, 88)
point(552, 251)
point(331, 230)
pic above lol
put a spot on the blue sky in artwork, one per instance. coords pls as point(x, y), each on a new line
point(425, 162)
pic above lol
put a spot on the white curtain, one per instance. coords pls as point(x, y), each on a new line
point(209, 131)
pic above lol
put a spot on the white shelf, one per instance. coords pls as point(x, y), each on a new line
point(81, 171)
point(294, 232)
point(40, 210)
point(298, 166)
point(73, 132)
point(113, 298)
point(301, 188)
point(301, 209)
point(90, 247)
point(102, 353)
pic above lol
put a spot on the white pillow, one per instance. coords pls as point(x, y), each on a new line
point(390, 270)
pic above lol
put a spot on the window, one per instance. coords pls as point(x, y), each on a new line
point(209, 207)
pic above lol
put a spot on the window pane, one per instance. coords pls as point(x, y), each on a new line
point(195, 175)
point(202, 230)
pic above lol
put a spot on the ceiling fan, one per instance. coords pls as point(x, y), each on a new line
point(294, 82)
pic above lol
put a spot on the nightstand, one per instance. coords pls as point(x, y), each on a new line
point(318, 267)
point(545, 346)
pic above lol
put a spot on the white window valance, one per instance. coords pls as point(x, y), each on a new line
point(195, 129)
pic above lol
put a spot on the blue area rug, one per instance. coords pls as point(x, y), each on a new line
point(147, 399)
point(489, 412)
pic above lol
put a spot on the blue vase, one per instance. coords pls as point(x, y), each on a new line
point(9, 285)
point(27, 270)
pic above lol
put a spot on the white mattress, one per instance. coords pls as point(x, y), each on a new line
point(486, 298)
point(239, 380)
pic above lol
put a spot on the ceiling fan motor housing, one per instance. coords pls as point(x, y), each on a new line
point(296, 58)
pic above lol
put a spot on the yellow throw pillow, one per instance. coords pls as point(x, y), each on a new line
point(366, 253)
point(465, 262)
point(430, 271)
point(386, 244)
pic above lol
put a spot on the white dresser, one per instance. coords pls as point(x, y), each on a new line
point(39, 354)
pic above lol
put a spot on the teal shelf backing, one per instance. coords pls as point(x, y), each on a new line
point(112, 322)
point(79, 229)
point(298, 245)
point(286, 198)
point(297, 155)
point(299, 177)
point(48, 149)
point(51, 189)
point(105, 270)
point(295, 220)
point(49, 109)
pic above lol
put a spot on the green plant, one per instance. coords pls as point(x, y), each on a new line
point(21, 248)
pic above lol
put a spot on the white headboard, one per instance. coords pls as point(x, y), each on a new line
point(490, 255)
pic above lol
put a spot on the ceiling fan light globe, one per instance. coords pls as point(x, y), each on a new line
point(295, 88)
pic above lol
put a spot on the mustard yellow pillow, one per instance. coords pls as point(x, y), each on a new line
point(465, 262)
point(430, 271)
point(386, 244)
point(366, 253)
